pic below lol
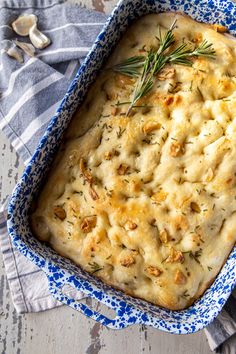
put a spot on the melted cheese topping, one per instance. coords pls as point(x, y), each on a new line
point(147, 202)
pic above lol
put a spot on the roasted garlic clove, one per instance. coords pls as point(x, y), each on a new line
point(26, 47)
point(153, 271)
point(180, 278)
point(59, 212)
point(23, 24)
point(38, 39)
point(159, 196)
point(175, 256)
point(130, 225)
point(127, 261)
point(164, 236)
point(88, 223)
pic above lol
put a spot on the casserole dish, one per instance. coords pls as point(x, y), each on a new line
point(60, 271)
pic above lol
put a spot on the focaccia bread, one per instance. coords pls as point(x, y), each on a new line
point(147, 202)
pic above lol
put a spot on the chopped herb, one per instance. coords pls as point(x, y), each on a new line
point(200, 93)
point(209, 268)
point(146, 141)
point(78, 192)
point(109, 193)
point(222, 225)
point(143, 48)
point(95, 267)
point(174, 88)
point(122, 103)
point(195, 255)
point(164, 138)
point(120, 132)
point(179, 181)
point(106, 116)
point(191, 86)
point(185, 294)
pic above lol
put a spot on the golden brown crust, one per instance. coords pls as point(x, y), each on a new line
point(147, 202)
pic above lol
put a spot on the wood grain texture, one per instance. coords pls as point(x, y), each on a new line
point(63, 330)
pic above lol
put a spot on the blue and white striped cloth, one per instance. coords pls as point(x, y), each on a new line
point(29, 96)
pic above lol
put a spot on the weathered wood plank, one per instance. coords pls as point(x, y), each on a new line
point(154, 341)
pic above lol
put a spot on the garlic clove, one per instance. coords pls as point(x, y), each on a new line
point(38, 39)
point(15, 53)
point(26, 47)
point(23, 24)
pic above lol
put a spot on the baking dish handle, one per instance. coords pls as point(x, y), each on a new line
point(125, 317)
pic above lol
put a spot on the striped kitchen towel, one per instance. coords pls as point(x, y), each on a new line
point(29, 96)
point(30, 93)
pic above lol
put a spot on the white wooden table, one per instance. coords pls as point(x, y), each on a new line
point(63, 330)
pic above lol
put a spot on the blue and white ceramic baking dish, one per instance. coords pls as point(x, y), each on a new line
point(61, 271)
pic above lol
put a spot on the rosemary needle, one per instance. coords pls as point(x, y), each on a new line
point(182, 54)
point(145, 68)
point(130, 66)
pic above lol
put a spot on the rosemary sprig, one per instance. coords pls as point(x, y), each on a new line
point(155, 61)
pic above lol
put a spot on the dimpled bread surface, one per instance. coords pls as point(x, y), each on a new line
point(147, 202)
